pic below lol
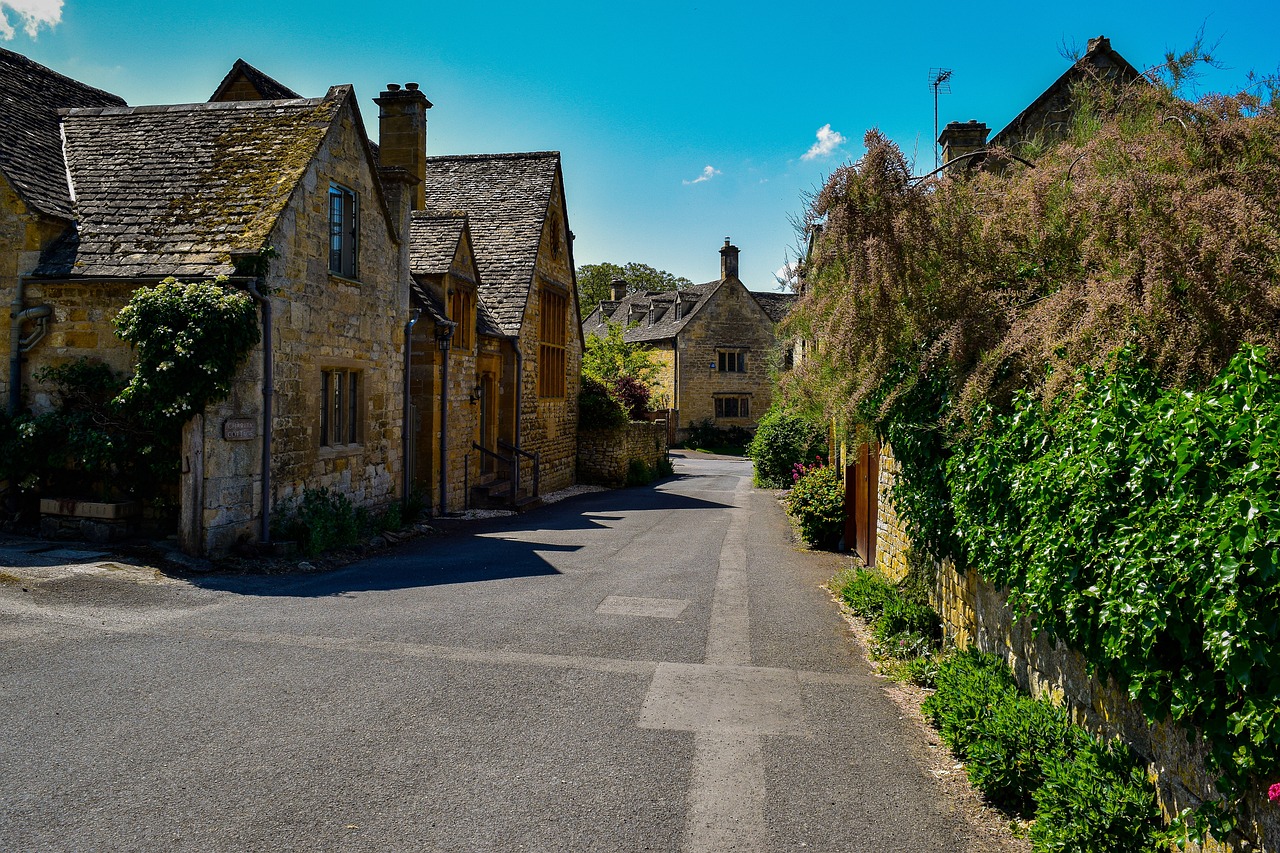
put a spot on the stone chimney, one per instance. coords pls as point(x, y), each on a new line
point(1100, 43)
point(402, 135)
point(617, 290)
point(728, 260)
point(960, 138)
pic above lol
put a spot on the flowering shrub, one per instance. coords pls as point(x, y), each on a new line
point(781, 440)
point(816, 501)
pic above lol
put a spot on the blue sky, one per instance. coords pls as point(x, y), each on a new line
point(679, 123)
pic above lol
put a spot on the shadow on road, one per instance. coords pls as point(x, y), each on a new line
point(472, 551)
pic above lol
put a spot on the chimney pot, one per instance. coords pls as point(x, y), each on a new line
point(412, 87)
point(393, 87)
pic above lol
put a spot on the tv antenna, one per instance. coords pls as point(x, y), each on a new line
point(940, 83)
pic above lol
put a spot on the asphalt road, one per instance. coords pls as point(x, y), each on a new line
point(642, 669)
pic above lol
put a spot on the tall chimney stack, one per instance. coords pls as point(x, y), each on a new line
point(402, 134)
point(617, 290)
point(728, 260)
point(960, 138)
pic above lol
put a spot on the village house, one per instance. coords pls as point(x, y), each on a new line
point(98, 199)
point(713, 342)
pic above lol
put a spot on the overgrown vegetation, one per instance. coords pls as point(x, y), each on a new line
point(1073, 364)
point(816, 502)
point(617, 381)
point(1025, 755)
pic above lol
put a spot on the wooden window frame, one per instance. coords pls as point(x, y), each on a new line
point(553, 338)
point(462, 310)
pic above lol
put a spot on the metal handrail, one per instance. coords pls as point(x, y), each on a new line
point(535, 458)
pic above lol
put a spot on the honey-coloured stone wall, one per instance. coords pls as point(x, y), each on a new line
point(605, 455)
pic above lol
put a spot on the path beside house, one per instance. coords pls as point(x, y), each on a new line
point(642, 669)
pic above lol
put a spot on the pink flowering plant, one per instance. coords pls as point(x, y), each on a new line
point(816, 502)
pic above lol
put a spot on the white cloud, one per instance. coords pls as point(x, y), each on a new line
point(828, 141)
point(30, 14)
point(708, 172)
point(786, 274)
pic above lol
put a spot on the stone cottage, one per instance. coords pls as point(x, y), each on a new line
point(125, 197)
point(713, 341)
point(517, 386)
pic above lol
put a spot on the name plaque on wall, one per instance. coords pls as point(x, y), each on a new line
point(239, 429)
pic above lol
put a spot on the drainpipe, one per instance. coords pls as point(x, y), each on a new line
point(406, 453)
point(444, 334)
point(18, 344)
point(268, 392)
point(519, 388)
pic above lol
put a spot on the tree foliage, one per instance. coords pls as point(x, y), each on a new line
point(595, 281)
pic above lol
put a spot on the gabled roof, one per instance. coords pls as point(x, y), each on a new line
point(776, 305)
point(1099, 60)
point(433, 241)
point(506, 197)
point(176, 190)
point(267, 88)
point(433, 244)
point(666, 324)
point(30, 142)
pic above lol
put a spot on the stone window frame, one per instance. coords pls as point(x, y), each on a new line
point(344, 231)
point(741, 406)
point(731, 359)
point(553, 339)
point(342, 410)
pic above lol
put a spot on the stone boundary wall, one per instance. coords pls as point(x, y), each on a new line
point(975, 613)
point(605, 454)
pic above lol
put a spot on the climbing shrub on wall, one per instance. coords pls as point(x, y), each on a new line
point(190, 338)
point(1142, 526)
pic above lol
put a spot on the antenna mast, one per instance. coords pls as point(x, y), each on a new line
point(939, 82)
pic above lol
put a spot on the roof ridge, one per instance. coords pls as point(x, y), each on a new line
point(507, 156)
point(25, 60)
point(202, 106)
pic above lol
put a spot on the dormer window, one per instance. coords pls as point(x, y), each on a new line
point(344, 226)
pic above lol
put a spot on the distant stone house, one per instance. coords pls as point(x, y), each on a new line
point(714, 342)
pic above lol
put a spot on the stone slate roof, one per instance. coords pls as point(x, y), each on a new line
point(269, 88)
point(776, 305)
point(506, 197)
point(433, 243)
point(635, 308)
point(175, 190)
point(30, 142)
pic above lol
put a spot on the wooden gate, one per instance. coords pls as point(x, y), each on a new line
point(861, 480)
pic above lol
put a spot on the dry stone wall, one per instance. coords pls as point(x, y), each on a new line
point(604, 455)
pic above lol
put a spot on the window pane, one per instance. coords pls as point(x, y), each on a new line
point(338, 382)
point(335, 230)
point(324, 408)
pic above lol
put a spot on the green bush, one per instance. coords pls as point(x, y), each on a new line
point(781, 441)
point(971, 685)
point(1020, 737)
point(1100, 801)
point(639, 473)
point(320, 521)
point(705, 435)
point(817, 504)
point(599, 407)
point(865, 592)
